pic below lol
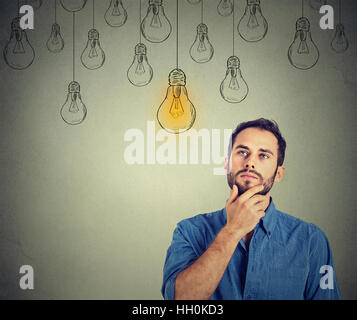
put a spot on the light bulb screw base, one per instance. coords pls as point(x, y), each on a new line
point(155, 2)
point(140, 48)
point(177, 78)
point(74, 87)
point(233, 62)
point(302, 24)
point(93, 34)
point(252, 2)
point(202, 28)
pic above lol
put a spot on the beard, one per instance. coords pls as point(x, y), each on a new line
point(267, 184)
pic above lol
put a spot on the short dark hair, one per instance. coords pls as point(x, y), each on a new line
point(264, 124)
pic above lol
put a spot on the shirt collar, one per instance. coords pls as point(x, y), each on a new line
point(267, 222)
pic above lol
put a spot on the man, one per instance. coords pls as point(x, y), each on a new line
point(249, 249)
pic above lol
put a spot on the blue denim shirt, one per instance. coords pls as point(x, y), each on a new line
point(283, 260)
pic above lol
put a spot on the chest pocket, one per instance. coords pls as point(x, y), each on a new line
point(287, 272)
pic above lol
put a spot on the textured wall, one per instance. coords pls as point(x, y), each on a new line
point(93, 226)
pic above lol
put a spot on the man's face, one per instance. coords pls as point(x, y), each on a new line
point(254, 161)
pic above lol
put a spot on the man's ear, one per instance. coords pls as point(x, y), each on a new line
point(279, 174)
point(226, 165)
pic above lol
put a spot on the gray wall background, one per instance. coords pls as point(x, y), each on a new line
point(93, 226)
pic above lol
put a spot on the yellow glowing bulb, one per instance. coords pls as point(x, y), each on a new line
point(176, 113)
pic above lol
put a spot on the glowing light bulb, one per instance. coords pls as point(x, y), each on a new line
point(303, 53)
point(140, 72)
point(316, 4)
point(233, 88)
point(339, 42)
point(194, 1)
point(73, 5)
point(202, 50)
point(93, 56)
point(155, 26)
point(73, 111)
point(116, 15)
point(18, 52)
point(176, 113)
point(252, 26)
point(225, 7)
point(55, 43)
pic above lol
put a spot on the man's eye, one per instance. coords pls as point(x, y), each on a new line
point(264, 156)
point(242, 152)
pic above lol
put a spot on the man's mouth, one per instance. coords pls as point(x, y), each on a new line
point(248, 176)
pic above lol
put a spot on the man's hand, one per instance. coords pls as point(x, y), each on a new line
point(244, 212)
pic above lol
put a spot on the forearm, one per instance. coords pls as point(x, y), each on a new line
point(200, 280)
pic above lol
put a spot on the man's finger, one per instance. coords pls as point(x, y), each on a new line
point(250, 192)
point(256, 199)
point(233, 195)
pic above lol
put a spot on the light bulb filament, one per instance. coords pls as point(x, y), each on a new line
point(253, 22)
point(155, 21)
point(93, 51)
point(19, 48)
point(233, 84)
point(140, 68)
point(116, 11)
point(74, 107)
point(202, 46)
point(176, 109)
point(303, 48)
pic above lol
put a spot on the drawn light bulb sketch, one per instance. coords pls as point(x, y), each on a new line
point(253, 26)
point(303, 53)
point(339, 42)
point(316, 4)
point(202, 50)
point(233, 88)
point(55, 43)
point(176, 113)
point(18, 52)
point(194, 1)
point(225, 7)
point(93, 56)
point(156, 27)
point(73, 5)
point(73, 111)
point(140, 72)
point(116, 15)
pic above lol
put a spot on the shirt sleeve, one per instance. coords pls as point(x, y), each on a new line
point(321, 281)
point(180, 255)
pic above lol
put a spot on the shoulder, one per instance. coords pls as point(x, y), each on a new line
point(203, 227)
point(302, 230)
point(203, 220)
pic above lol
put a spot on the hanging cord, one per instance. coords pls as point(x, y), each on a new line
point(177, 33)
point(139, 21)
point(55, 11)
point(233, 25)
point(339, 11)
point(18, 8)
point(302, 8)
point(74, 66)
point(93, 14)
point(201, 11)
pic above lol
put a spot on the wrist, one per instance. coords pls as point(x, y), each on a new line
point(234, 233)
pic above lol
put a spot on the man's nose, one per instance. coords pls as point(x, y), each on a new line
point(249, 164)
